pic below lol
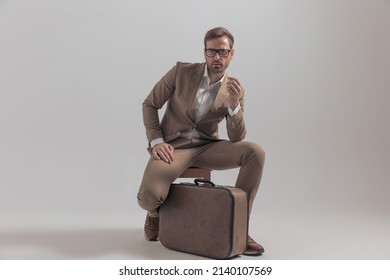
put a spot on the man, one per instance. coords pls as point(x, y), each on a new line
point(198, 96)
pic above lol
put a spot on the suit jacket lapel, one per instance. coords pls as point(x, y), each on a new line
point(220, 100)
point(196, 77)
point(222, 96)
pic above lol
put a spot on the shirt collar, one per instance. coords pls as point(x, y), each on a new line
point(206, 76)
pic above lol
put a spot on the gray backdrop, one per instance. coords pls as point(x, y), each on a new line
point(73, 75)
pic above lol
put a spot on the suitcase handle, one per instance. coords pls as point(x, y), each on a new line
point(204, 181)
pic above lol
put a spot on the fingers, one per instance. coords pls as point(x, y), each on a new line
point(234, 81)
point(234, 88)
point(231, 78)
point(163, 152)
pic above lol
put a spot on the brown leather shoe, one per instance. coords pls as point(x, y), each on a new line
point(253, 248)
point(151, 228)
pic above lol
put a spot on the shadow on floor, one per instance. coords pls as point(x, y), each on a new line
point(126, 243)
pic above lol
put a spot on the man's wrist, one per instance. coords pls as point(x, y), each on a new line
point(156, 141)
point(232, 112)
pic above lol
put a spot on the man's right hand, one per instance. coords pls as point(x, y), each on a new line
point(163, 151)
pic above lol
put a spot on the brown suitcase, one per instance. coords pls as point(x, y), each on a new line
point(205, 219)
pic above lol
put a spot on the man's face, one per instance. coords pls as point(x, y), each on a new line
point(218, 64)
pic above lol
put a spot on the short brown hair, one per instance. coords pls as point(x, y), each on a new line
point(218, 32)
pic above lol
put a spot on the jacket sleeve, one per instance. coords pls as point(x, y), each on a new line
point(235, 125)
point(156, 99)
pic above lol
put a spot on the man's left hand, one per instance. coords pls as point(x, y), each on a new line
point(234, 89)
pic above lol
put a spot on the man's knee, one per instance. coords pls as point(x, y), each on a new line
point(256, 152)
point(151, 198)
point(260, 153)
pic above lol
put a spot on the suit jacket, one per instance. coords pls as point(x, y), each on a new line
point(178, 87)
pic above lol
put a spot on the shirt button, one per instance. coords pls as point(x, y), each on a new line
point(178, 133)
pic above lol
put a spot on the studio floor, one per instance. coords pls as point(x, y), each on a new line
point(299, 236)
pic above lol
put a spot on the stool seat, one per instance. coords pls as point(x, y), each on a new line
point(197, 172)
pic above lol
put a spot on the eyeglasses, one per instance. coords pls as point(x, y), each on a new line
point(221, 52)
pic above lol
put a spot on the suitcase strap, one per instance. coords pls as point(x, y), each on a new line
point(203, 181)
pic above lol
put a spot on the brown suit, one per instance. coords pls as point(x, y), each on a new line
point(179, 87)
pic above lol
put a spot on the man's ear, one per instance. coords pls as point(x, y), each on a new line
point(232, 53)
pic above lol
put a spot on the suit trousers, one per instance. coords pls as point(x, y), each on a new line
point(217, 155)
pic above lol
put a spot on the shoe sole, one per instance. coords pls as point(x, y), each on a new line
point(151, 239)
point(259, 253)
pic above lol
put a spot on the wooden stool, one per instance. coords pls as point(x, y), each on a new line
point(197, 172)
